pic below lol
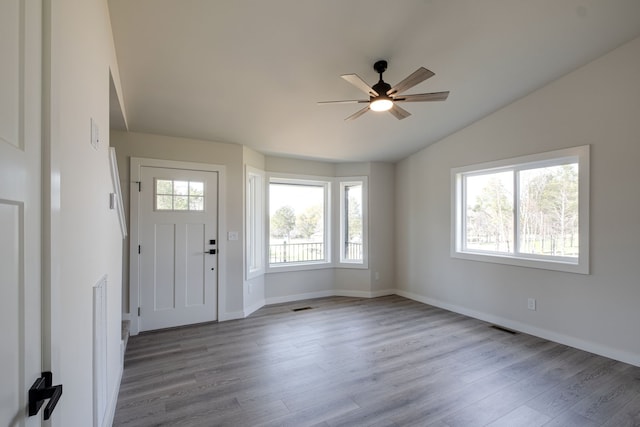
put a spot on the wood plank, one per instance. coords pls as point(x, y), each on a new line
point(386, 361)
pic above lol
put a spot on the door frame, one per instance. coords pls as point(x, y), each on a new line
point(136, 165)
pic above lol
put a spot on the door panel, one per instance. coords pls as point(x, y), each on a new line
point(177, 220)
point(195, 265)
point(20, 208)
point(164, 267)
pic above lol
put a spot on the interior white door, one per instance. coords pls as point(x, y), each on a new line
point(178, 211)
point(20, 208)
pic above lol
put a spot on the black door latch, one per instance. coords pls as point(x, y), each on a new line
point(41, 390)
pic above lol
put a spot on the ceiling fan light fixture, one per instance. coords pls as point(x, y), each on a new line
point(381, 103)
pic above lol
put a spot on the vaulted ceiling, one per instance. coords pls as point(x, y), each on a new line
point(251, 71)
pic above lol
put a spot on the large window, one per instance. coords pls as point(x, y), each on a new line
point(530, 211)
point(353, 221)
point(298, 222)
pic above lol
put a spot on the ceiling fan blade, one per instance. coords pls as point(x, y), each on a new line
point(355, 80)
point(357, 114)
point(418, 76)
point(422, 97)
point(350, 101)
point(399, 113)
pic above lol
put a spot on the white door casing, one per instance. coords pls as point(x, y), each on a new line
point(173, 277)
point(21, 356)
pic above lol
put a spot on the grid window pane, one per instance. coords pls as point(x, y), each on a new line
point(196, 188)
point(164, 186)
point(196, 203)
point(181, 188)
point(164, 202)
point(179, 195)
point(180, 203)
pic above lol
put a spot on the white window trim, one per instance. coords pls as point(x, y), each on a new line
point(581, 265)
point(341, 183)
point(254, 222)
point(327, 183)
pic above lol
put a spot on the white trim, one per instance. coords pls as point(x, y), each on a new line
point(570, 265)
point(363, 294)
point(231, 315)
point(136, 165)
point(113, 401)
point(255, 307)
point(299, 297)
point(623, 356)
point(330, 293)
point(115, 178)
point(254, 206)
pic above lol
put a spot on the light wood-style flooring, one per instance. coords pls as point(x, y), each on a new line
point(386, 361)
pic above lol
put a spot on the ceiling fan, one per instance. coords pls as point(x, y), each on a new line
point(383, 97)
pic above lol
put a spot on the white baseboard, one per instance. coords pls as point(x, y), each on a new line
point(299, 297)
point(363, 294)
point(330, 293)
point(255, 307)
point(578, 343)
point(231, 315)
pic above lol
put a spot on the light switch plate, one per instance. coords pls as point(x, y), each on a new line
point(232, 235)
point(95, 135)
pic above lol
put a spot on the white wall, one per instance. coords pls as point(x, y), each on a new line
point(131, 144)
point(382, 228)
point(86, 237)
point(598, 105)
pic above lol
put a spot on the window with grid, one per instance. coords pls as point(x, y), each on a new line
point(174, 195)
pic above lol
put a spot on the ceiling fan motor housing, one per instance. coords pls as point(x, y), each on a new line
point(381, 87)
point(380, 66)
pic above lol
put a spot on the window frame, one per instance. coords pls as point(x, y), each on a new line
point(551, 158)
point(254, 223)
point(295, 179)
point(173, 195)
point(343, 182)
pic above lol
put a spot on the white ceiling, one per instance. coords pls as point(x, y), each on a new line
point(251, 71)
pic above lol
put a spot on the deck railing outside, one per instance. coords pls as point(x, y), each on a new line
point(284, 252)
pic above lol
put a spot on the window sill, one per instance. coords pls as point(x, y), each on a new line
point(299, 267)
point(567, 267)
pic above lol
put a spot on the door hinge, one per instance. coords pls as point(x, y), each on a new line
point(139, 185)
point(138, 311)
point(139, 250)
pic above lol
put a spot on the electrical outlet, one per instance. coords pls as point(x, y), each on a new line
point(531, 304)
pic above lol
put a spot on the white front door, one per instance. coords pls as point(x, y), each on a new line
point(178, 238)
point(20, 208)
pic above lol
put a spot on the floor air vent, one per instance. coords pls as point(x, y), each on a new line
point(500, 328)
point(302, 309)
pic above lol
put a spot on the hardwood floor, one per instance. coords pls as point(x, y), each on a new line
point(386, 361)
